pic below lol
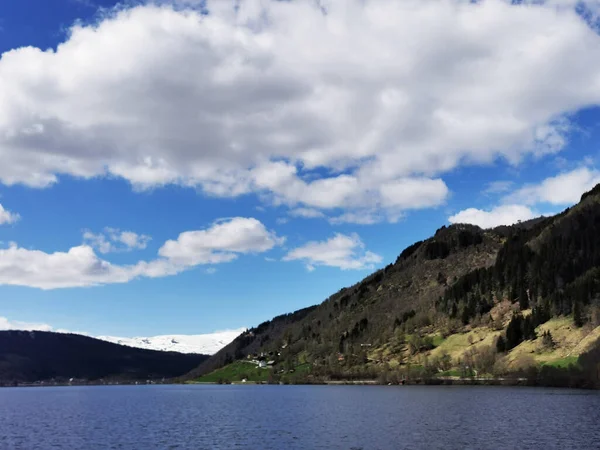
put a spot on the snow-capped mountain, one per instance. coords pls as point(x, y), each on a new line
point(207, 344)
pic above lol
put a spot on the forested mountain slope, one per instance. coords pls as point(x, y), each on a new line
point(466, 301)
point(371, 310)
point(28, 356)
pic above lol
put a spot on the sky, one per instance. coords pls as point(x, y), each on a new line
point(182, 167)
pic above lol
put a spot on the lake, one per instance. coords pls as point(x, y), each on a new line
point(303, 417)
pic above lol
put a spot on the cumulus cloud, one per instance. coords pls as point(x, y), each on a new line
point(563, 189)
point(130, 239)
point(220, 243)
point(7, 217)
point(6, 324)
point(343, 251)
point(352, 192)
point(365, 105)
point(115, 240)
point(500, 215)
point(560, 190)
point(80, 266)
point(98, 241)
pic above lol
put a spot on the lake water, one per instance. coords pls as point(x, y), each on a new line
point(303, 417)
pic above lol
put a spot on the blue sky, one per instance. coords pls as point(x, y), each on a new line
point(166, 170)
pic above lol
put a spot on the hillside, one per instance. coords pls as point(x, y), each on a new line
point(466, 301)
point(29, 356)
point(369, 311)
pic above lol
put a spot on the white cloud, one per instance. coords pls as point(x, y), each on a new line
point(563, 189)
point(130, 239)
point(342, 251)
point(6, 324)
point(98, 241)
point(77, 267)
point(115, 240)
point(560, 190)
point(220, 243)
point(500, 215)
point(358, 218)
point(7, 217)
point(413, 193)
point(80, 266)
point(353, 192)
point(498, 187)
point(363, 107)
point(307, 213)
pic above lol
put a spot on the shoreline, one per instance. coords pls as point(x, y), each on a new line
point(438, 381)
point(442, 381)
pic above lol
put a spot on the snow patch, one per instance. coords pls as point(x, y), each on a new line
point(206, 344)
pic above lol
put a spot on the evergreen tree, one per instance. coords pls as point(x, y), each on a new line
point(547, 340)
point(465, 315)
point(453, 310)
point(577, 315)
point(501, 345)
point(528, 328)
point(523, 299)
point(514, 332)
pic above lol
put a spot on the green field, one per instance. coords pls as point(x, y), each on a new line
point(450, 373)
point(302, 370)
point(438, 340)
point(563, 363)
point(236, 372)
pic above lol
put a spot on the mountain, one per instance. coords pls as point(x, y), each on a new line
point(206, 344)
point(30, 356)
point(499, 301)
point(369, 310)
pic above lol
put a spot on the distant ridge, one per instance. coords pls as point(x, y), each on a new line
point(206, 344)
point(30, 356)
